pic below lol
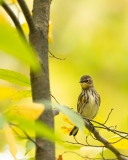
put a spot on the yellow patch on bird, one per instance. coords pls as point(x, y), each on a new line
point(84, 85)
point(83, 99)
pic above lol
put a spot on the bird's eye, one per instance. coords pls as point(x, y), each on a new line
point(86, 80)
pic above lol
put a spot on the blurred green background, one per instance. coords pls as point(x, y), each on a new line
point(93, 37)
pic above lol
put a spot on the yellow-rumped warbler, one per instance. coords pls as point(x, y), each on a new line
point(88, 101)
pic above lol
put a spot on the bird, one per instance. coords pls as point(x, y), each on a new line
point(88, 101)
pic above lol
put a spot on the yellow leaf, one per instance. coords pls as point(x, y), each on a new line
point(25, 28)
point(66, 119)
point(29, 111)
point(6, 92)
point(66, 130)
point(119, 142)
point(11, 140)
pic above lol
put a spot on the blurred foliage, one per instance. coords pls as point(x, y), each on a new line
point(22, 94)
point(92, 36)
point(7, 33)
point(11, 140)
point(14, 77)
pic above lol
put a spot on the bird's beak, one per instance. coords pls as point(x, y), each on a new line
point(81, 81)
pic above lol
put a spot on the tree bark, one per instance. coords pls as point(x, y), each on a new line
point(40, 81)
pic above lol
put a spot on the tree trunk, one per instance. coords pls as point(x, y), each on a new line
point(40, 81)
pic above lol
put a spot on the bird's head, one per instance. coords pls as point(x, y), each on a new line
point(86, 82)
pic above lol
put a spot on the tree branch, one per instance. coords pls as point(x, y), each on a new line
point(55, 112)
point(104, 141)
point(27, 15)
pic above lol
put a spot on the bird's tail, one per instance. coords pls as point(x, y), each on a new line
point(74, 131)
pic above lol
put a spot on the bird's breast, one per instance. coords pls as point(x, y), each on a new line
point(90, 107)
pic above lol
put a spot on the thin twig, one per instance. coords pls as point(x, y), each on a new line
point(108, 116)
point(118, 140)
point(14, 19)
point(53, 56)
point(28, 137)
point(102, 153)
point(111, 130)
point(54, 99)
point(92, 136)
point(87, 157)
point(113, 127)
point(73, 153)
point(87, 140)
point(122, 137)
point(121, 132)
point(17, 133)
point(76, 142)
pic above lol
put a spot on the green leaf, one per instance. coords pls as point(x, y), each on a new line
point(11, 43)
point(14, 77)
point(73, 116)
point(22, 94)
point(29, 146)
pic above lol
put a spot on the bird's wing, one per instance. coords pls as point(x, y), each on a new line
point(81, 102)
point(98, 99)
